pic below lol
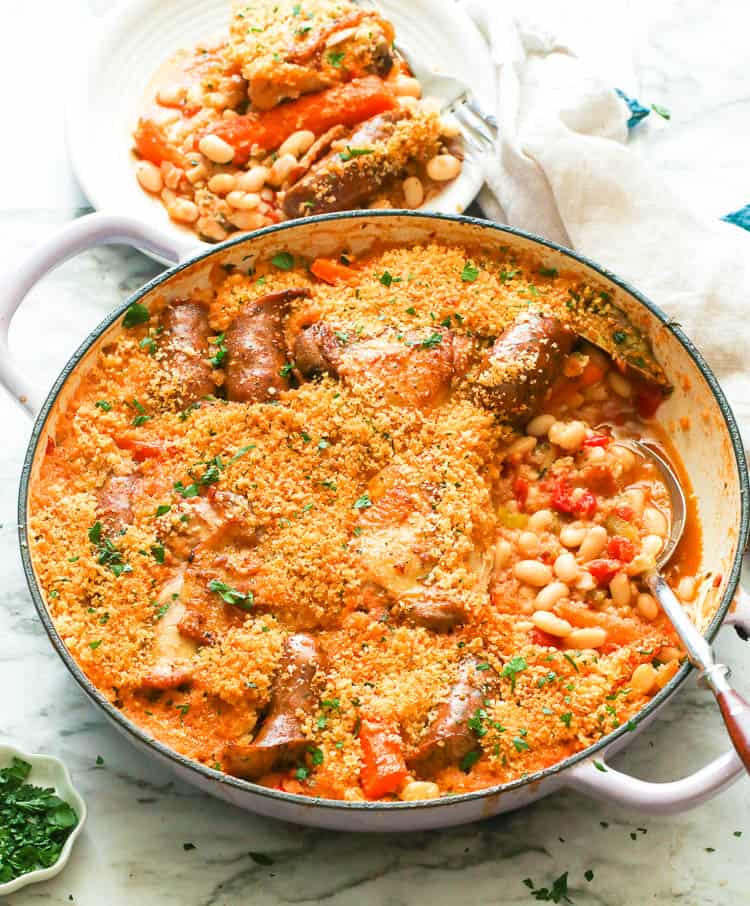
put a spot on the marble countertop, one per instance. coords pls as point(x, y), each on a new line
point(133, 848)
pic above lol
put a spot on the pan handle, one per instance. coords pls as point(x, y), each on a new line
point(77, 236)
point(596, 778)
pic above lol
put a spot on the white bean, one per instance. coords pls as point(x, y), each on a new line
point(566, 568)
point(568, 435)
point(149, 176)
point(619, 384)
point(221, 183)
point(636, 499)
point(640, 563)
point(196, 173)
point(443, 167)
point(541, 520)
point(539, 426)
point(183, 210)
point(533, 572)
point(528, 544)
point(413, 191)
point(297, 143)
point(252, 180)
point(686, 588)
point(643, 679)
point(586, 637)
point(651, 545)
point(655, 522)
point(521, 446)
point(647, 606)
point(243, 201)
point(171, 95)
point(593, 544)
point(625, 457)
point(281, 168)
point(550, 623)
point(550, 595)
point(247, 220)
point(572, 535)
point(172, 175)
point(503, 550)
point(405, 86)
point(415, 790)
point(216, 149)
point(619, 588)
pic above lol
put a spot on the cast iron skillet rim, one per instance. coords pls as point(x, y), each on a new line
point(308, 801)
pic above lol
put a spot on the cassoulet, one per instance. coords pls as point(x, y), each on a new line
point(367, 527)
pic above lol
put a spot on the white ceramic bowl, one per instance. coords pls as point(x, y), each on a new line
point(46, 771)
point(104, 102)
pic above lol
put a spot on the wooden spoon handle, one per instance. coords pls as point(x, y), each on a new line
point(736, 713)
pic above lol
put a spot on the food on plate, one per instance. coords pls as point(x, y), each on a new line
point(367, 526)
point(304, 108)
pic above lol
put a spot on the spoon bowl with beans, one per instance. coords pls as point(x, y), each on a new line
point(734, 709)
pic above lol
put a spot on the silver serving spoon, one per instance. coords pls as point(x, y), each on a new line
point(734, 709)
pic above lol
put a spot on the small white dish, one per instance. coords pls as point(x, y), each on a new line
point(103, 104)
point(46, 771)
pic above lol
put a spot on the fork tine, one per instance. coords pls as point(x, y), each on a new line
point(486, 118)
point(472, 120)
point(477, 138)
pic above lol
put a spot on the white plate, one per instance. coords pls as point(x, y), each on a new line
point(46, 771)
point(104, 103)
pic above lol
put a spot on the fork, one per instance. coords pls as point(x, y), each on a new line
point(479, 128)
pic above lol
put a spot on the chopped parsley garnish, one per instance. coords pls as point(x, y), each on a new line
point(411, 310)
point(570, 660)
point(296, 9)
point(554, 894)
point(619, 336)
point(600, 767)
point(434, 339)
point(220, 354)
point(549, 272)
point(157, 552)
point(135, 315)
point(470, 273)
point(331, 704)
point(262, 858)
point(240, 453)
point(512, 668)
point(349, 153)
point(99, 761)
point(520, 744)
point(476, 723)
point(336, 58)
point(566, 718)
point(547, 678)
point(387, 278)
point(301, 773)
point(149, 344)
point(589, 875)
point(286, 369)
point(103, 405)
point(324, 443)
point(162, 510)
point(106, 553)
point(94, 645)
point(230, 595)
point(363, 502)
point(317, 756)
point(34, 823)
point(469, 760)
point(661, 111)
point(190, 490)
point(283, 260)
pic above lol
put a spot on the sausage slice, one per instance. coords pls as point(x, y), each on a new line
point(520, 367)
point(343, 181)
point(449, 736)
point(281, 739)
point(434, 611)
point(255, 348)
point(186, 330)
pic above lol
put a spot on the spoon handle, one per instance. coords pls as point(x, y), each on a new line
point(734, 709)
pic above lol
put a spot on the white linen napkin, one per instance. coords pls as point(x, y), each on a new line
point(564, 170)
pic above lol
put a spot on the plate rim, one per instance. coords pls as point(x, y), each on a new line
point(78, 120)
